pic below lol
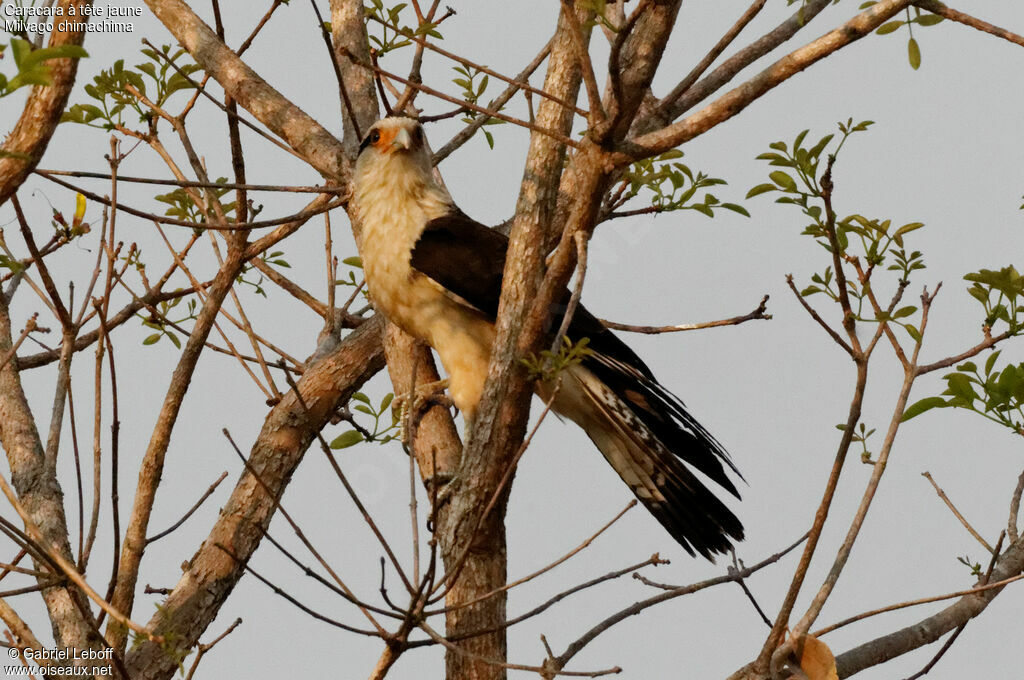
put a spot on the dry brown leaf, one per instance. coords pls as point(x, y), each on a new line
point(816, 659)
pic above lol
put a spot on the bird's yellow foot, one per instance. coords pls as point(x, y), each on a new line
point(411, 405)
point(423, 397)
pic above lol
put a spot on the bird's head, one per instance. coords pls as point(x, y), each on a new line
point(393, 145)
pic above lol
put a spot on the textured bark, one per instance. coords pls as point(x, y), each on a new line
point(500, 422)
point(349, 33)
point(39, 118)
point(35, 480)
point(287, 433)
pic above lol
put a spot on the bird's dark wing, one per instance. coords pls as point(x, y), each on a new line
point(467, 259)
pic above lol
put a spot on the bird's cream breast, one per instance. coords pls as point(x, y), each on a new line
point(417, 304)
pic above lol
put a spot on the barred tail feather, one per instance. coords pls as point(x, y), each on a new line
point(654, 461)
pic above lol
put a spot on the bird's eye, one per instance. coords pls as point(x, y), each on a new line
point(374, 136)
point(417, 134)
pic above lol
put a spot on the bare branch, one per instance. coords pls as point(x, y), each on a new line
point(956, 513)
point(942, 10)
point(704, 64)
point(206, 494)
point(731, 103)
point(758, 313)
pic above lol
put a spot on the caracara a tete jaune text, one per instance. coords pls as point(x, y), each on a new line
point(437, 274)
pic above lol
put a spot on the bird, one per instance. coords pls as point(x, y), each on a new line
point(437, 274)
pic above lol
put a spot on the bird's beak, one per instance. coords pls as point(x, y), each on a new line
point(402, 140)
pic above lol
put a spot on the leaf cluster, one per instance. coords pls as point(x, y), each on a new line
point(1001, 293)
point(31, 64)
point(922, 20)
point(355, 262)
point(993, 393)
point(867, 243)
point(548, 365)
point(860, 436)
point(472, 90)
point(383, 430)
point(160, 322)
point(674, 186)
point(182, 205)
point(110, 89)
point(389, 39)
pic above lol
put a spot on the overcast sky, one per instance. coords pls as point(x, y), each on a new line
point(946, 150)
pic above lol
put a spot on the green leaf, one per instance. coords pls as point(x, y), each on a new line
point(991, 361)
point(736, 209)
point(174, 340)
point(152, 339)
point(890, 27)
point(761, 189)
point(967, 367)
point(960, 386)
point(914, 54)
point(354, 261)
point(930, 20)
point(920, 407)
point(903, 312)
point(783, 180)
point(359, 396)
point(347, 439)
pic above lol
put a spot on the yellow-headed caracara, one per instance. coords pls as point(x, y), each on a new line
point(437, 274)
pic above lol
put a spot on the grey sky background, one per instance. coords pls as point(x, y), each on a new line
point(945, 150)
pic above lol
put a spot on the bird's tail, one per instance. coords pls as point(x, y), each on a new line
point(655, 446)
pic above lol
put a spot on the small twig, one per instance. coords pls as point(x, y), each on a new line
point(640, 606)
point(30, 326)
point(562, 139)
point(311, 612)
point(577, 290)
point(758, 313)
point(351, 491)
point(956, 513)
point(653, 560)
point(337, 70)
point(575, 551)
point(519, 81)
point(301, 536)
point(68, 569)
point(938, 655)
point(952, 638)
point(814, 315)
point(205, 647)
point(737, 565)
point(543, 671)
point(162, 219)
point(191, 510)
point(193, 184)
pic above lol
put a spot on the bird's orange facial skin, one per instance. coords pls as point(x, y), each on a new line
point(387, 137)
